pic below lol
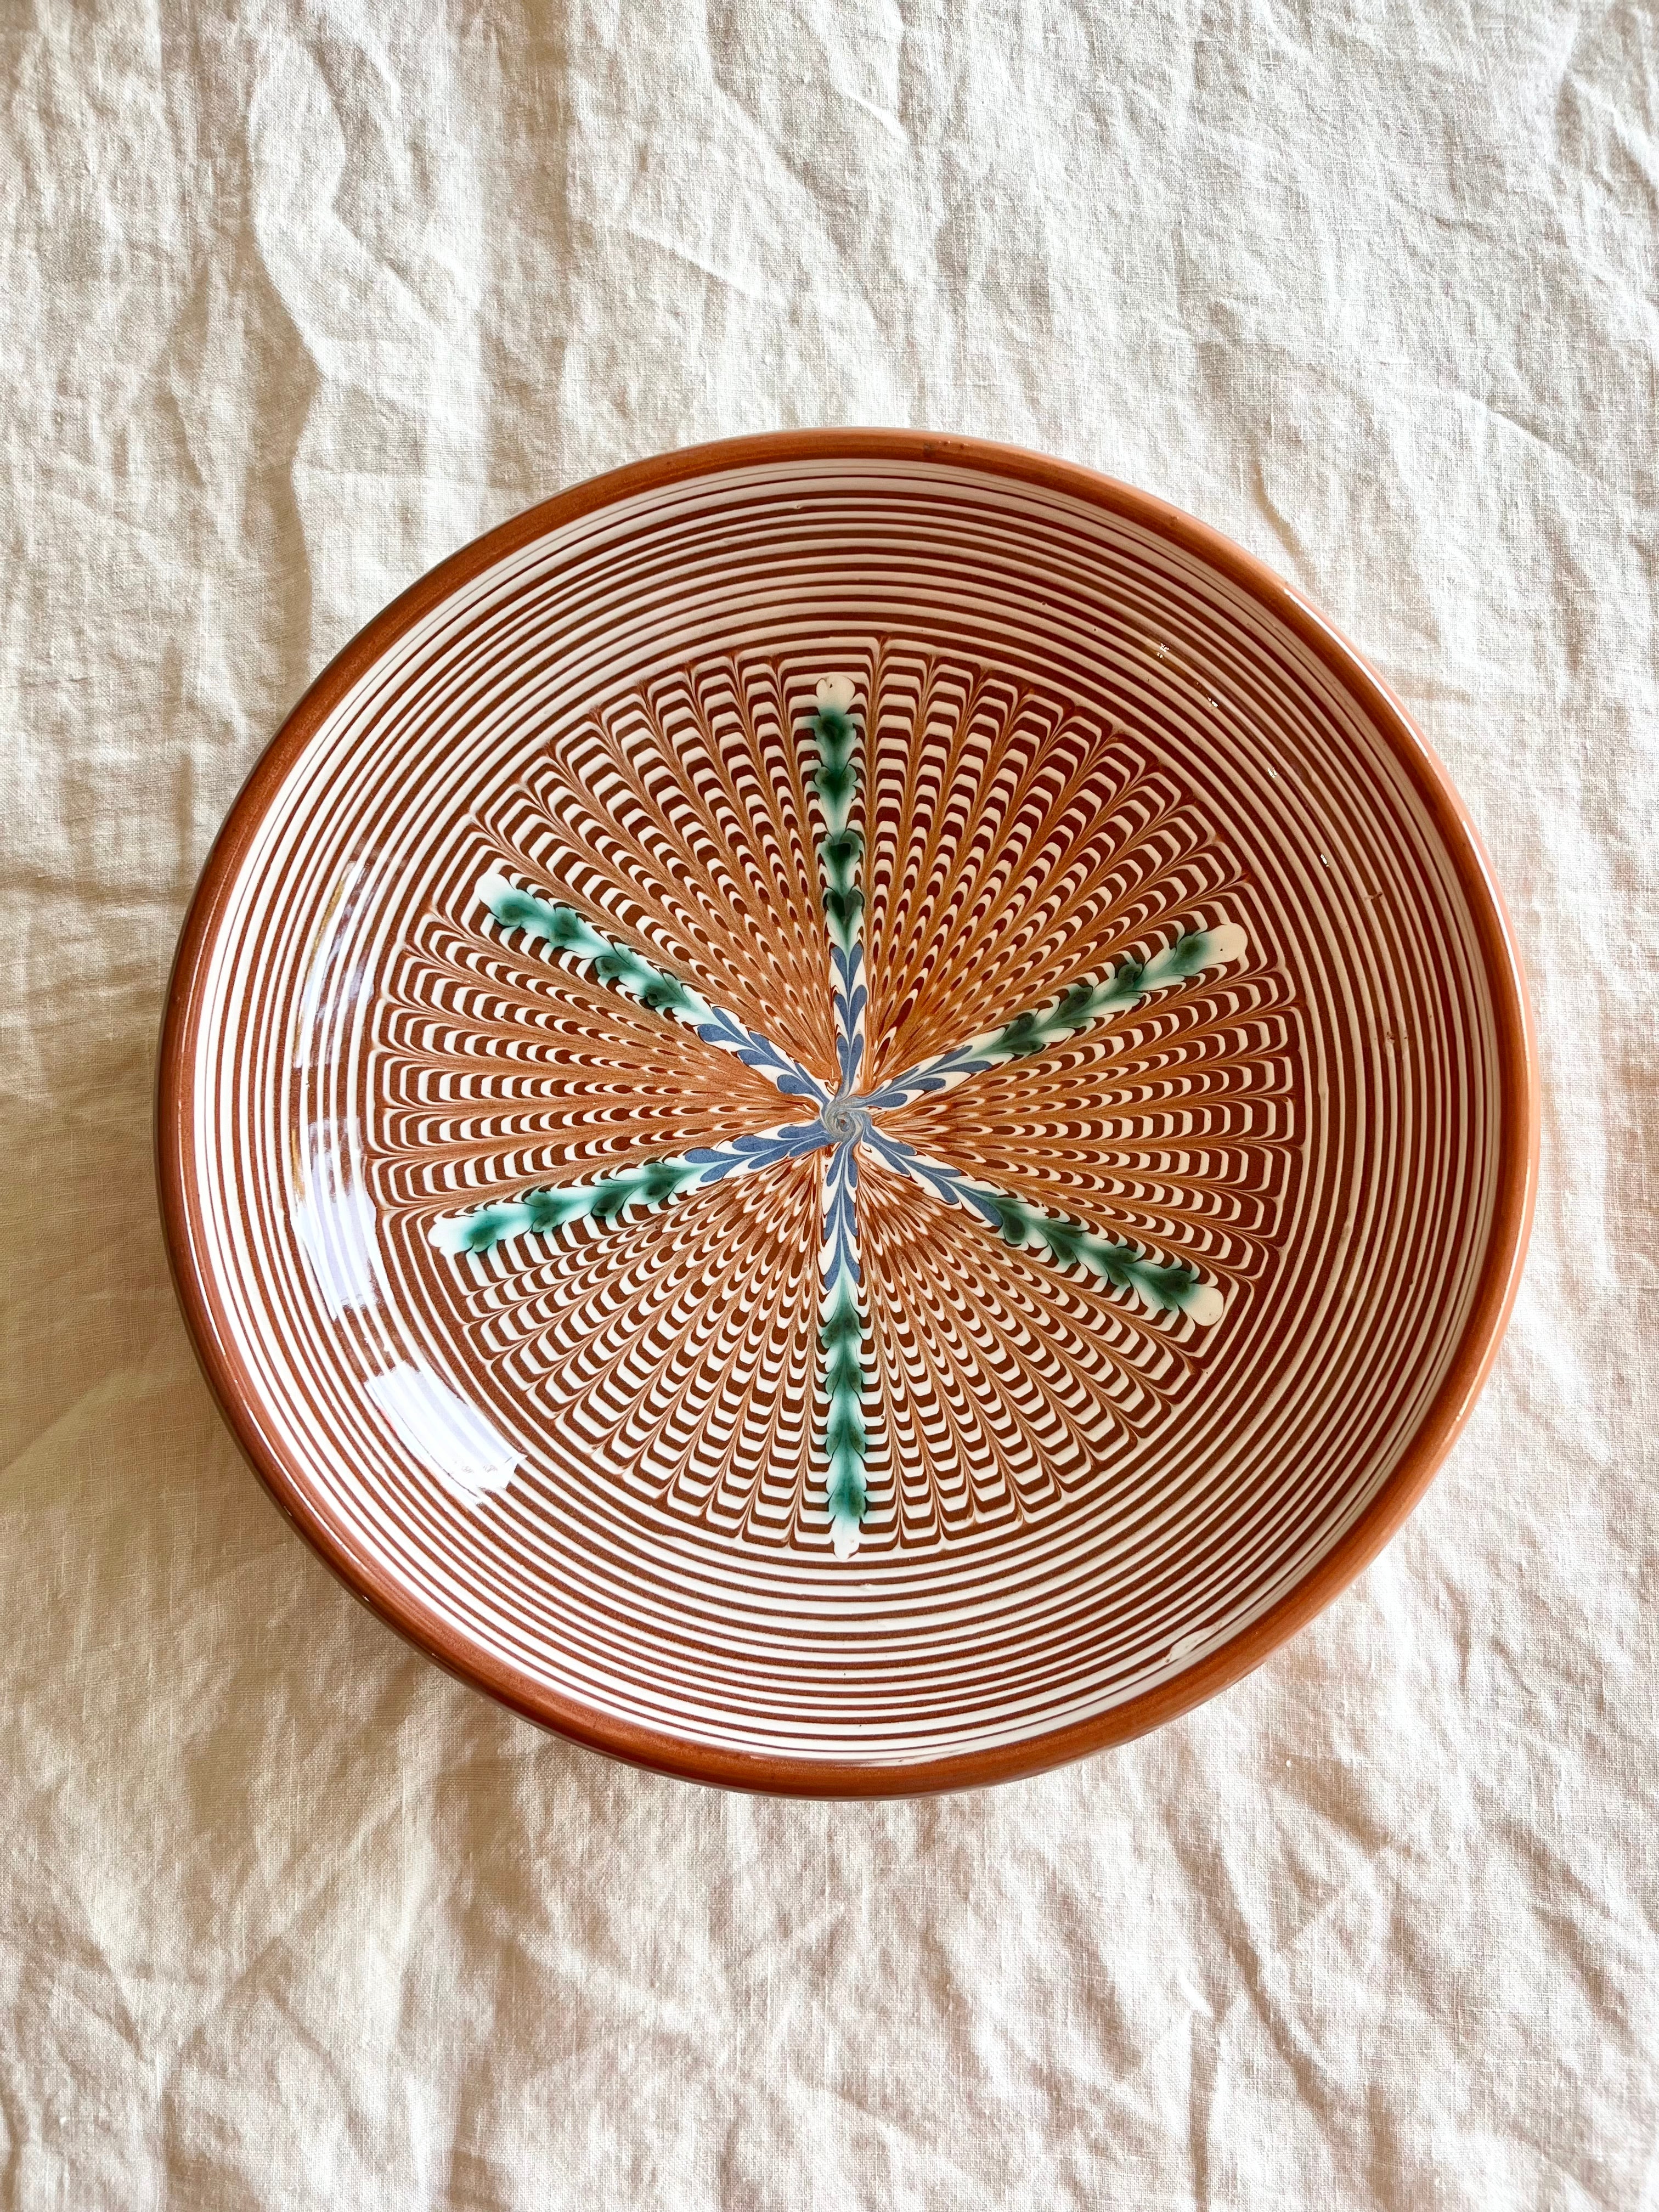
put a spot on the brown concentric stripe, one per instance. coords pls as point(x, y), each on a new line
point(1041, 1556)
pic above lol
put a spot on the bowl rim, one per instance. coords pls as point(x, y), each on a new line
point(1435, 1435)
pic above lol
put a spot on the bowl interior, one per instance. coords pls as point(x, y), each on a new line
point(837, 1113)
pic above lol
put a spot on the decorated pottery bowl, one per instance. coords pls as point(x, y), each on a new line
point(848, 1113)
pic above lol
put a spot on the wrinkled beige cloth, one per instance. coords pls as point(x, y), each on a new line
point(294, 305)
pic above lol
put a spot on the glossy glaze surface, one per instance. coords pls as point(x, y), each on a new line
point(847, 1116)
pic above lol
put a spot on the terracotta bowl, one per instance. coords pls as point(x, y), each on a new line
point(848, 1113)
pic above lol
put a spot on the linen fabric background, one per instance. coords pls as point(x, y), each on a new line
point(297, 299)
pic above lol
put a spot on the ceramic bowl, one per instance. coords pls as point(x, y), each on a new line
point(848, 1113)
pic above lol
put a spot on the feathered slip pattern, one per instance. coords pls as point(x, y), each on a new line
point(825, 782)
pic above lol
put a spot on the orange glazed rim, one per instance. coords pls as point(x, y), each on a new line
point(1434, 1436)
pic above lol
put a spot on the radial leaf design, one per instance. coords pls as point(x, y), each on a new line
point(953, 997)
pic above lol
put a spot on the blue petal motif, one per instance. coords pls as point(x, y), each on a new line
point(759, 1052)
point(764, 1148)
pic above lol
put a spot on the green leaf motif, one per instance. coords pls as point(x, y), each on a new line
point(1158, 1286)
point(837, 783)
point(840, 1338)
point(603, 1199)
point(566, 930)
point(1041, 1028)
